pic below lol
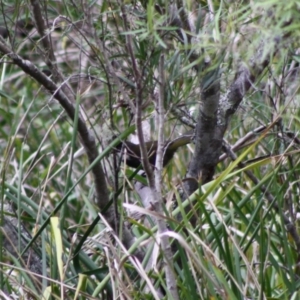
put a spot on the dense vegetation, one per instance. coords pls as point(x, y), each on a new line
point(221, 220)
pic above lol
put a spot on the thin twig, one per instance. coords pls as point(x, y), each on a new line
point(162, 226)
point(139, 101)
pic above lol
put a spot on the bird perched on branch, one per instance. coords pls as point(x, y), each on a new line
point(133, 156)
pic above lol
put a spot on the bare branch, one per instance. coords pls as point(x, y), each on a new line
point(46, 39)
point(214, 115)
point(158, 199)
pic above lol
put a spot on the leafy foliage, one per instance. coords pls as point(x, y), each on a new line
point(241, 247)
